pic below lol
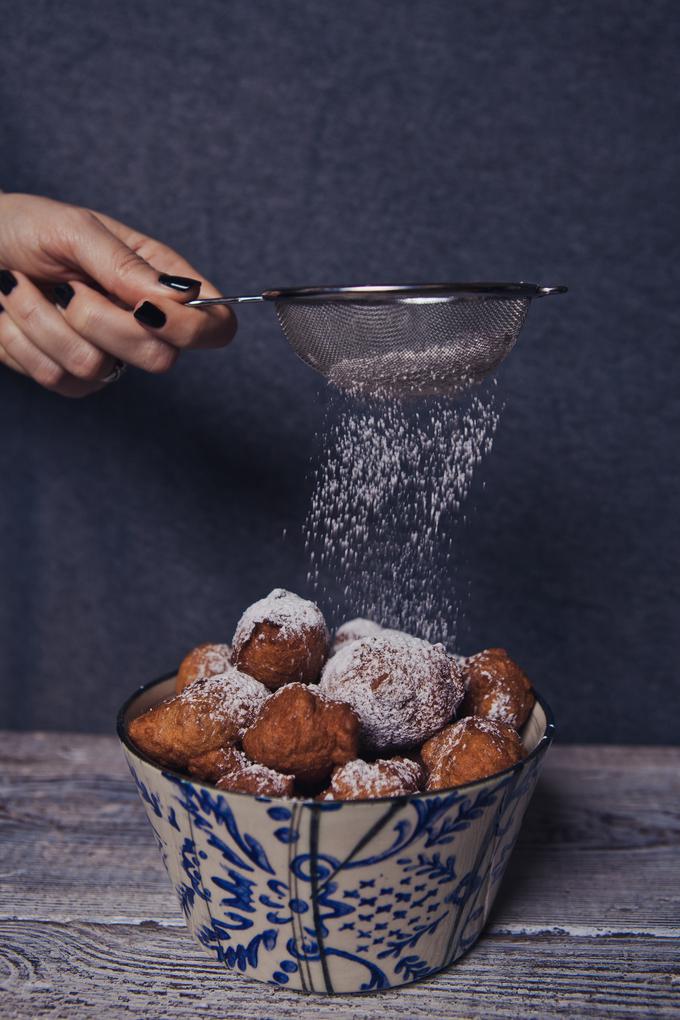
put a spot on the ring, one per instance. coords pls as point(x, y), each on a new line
point(114, 375)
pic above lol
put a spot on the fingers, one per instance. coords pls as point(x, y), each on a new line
point(7, 359)
point(118, 268)
point(219, 321)
point(118, 259)
point(112, 271)
point(43, 325)
point(113, 329)
point(152, 337)
point(18, 353)
point(156, 253)
point(187, 327)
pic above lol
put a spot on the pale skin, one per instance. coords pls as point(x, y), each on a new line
point(75, 291)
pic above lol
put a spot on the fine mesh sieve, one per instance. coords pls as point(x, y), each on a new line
point(402, 341)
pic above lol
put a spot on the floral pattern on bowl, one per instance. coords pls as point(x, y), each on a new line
point(335, 897)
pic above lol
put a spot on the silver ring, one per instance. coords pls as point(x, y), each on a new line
point(114, 375)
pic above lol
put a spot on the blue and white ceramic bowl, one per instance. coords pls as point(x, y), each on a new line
point(329, 897)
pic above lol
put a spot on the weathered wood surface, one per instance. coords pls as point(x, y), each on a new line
point(101, 971)
point(587, 925)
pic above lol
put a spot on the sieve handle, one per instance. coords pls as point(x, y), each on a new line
point(547, 291)
point(238, 300)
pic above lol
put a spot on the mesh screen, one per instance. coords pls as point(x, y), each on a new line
point(404, 347)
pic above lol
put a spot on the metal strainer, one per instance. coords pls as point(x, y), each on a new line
point(405, 340)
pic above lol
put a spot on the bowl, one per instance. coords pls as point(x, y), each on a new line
point(335, 897)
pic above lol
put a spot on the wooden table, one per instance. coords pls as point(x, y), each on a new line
point(588, 922)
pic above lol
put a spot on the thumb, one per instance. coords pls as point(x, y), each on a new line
point(121, 271)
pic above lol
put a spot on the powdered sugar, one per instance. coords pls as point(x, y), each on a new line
point(499, 706)
point(497, 688)
point(402, 688)
point(232, 699)
point(382, 531)
point(260, 780)
point(283, 609)
point(352, 630)
point(311, 689)
point(422, 372)
point(214, 659)
point(384, 777)
point(456, 735)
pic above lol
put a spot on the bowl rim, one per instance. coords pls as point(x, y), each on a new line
point(540, 749)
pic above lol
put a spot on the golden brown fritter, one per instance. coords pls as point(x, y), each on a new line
point(361, 780)
point(208, 714)
point(229, 769)
point(402, 688)
point(204, 660)
point(301, 733)
point(281, 639)
point(470, 749)
point(496, 688)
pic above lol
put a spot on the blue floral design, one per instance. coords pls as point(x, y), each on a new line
point(239, 956)
point(396, 946)
point(296, 923)
point(412, 968)
point(152, 799)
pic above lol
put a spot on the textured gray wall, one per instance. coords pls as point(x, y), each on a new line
point(278, 143)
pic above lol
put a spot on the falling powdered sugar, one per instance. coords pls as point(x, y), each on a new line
point(388, 497)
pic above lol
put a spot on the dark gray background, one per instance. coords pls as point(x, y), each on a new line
point(282, 143)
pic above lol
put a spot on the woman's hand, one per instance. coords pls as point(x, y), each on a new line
point(80, 293)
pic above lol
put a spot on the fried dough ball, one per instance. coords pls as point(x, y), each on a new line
point(204, 660)
point(229, 769)
point(496, 688)
point(208, 714)
point(281, 639)
point(211, 765)
point(353, 630)
point(300, 732)
point(472, 748)
point(361, 780)
point(402, 688)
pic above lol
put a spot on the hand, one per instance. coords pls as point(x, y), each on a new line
point(81, 292)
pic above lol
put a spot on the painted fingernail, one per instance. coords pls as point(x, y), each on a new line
point(63, 292)
point(150, 315)
point(182, 283)
point(8, 281)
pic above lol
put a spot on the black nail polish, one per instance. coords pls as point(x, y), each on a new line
point(181, 283)
point(63, 292)
point(8, 281)
point(1, 309)
point(150, 315)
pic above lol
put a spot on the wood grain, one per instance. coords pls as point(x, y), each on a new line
point(587, 923)
point(85, 970)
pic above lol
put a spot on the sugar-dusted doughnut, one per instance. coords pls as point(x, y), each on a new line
point(386, 777)
point(402, 688)
point(229, 769)
point(300, 732)
point(353, 630)
point(204, 660)
point(496, 688)
point(209, 713)
point(281, 639)
point(472, 748)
